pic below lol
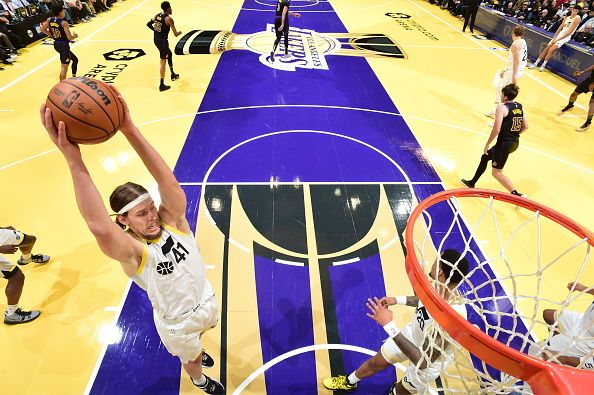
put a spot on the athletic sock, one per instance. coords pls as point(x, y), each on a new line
point(544, 64)
point(26, 257)
point(11, 308)
point(201, 381)
point(536, 62)
point(353, 379)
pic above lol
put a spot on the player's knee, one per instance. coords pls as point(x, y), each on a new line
point(495, 172)
point(28, 240)
point(17, 278)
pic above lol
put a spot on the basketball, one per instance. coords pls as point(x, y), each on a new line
point(89, 108)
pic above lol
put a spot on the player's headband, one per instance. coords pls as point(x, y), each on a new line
point(134, 203)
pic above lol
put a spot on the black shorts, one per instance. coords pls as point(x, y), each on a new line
point(63, 48)
point(277, 24)
point(162, 45)
point(500, 152)
point(585, 85)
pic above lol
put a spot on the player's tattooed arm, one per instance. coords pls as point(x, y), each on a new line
point(411, 301)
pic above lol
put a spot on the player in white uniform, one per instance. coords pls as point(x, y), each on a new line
point(408, 343)
point(573, 344)
point(562, 35)
point(516, 63)
point(158, 249)
point(12, 240)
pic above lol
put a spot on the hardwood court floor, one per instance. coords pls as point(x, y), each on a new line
point(329, 139)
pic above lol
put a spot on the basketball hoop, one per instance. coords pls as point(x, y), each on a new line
point(498, 216)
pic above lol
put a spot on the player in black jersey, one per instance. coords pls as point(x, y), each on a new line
point(160, 24)
point(281, 25)
point(584, 87)
point(510, 121)
point(57, 28)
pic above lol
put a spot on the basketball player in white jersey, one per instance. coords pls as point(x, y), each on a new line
point(562, 35)
point(516, 62)
point(573, 344)
point(408, 343)
point(157, 248)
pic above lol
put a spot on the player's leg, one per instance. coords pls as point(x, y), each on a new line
point(208, 385)
point(277, 24)
point(466, 18)
point(389, 354)
point(16, 281)
point(26, 248)
point(501, 83)
point(500, 155)
point(73, 62)
point(474, 11)
point(286, 37)
point(170, 62)
point(588, 122)
point(480, 170)
point(572, 99)
point(60, 47)
point(542, 55)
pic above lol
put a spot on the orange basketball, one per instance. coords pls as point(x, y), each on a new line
point(89, 108)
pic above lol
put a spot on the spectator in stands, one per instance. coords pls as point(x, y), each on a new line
point(471, 10)
point(523, 12)
point(6, 6)
point(15, 40)
point(543, 21)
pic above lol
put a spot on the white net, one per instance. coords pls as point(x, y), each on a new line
point(522, 266)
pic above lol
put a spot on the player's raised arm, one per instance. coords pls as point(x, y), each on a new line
point(173, 199)
point(113, 241)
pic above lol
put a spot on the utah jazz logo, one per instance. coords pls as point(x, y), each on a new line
point(179, 254)
point(165, 268)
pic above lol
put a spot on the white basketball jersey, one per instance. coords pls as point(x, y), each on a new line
point(566, 23)
point(172, 273)
point(586, 331)
point(423, 323)
point(523, 56)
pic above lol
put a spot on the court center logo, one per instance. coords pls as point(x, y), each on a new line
point(125, 54)
point(307, 49)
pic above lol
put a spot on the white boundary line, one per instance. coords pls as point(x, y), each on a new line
point(87, 38)
point(104, 348)
point(299, 351)
point(193, 114)
point(346, 261)
point(291, 263)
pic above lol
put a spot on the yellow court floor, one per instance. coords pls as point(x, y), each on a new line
point(441, 91)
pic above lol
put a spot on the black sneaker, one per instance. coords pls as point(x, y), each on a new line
point(163, 87)
point(467, 183)
point(207, 361)
point(21, 317)
point(174, 76)
point(565, 109)
point(584, 127)
point(272, 56)
point(211, 386)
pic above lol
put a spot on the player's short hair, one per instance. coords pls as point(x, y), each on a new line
point(510, 91)
point(123, 195)
point(165, 5)
point(56, 9)
point(518, 31)
point(453, 265)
